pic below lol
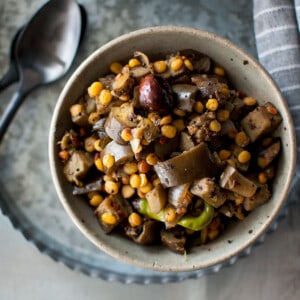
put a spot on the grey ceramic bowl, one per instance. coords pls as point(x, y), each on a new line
point(246, 74)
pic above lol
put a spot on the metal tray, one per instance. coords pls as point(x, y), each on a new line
point(27, 194)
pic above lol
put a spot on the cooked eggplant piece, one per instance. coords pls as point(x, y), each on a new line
point(143, 69)
point(118, 119)
point(143, 58)
point(238, 109)
point(104, 109)
point(227, 209)
point(266, 156)
point(90, 105)
point(166, 149)
point(150, 130)
point(198, 126)
point(206, 86)
point(174, 239)
point(70, 140)
point(125, 114)
point(193, 164)
point(121, 153)
point(135, 145)
point(81, 110)
point(157, 199)
point(122, 84)
point(77, 166)
point(99, 128)
point(139, 72)
point(81, 119)
point(107, 81)
point(170, 72)
point(94, 186)
point(228, 129)
point(261, 196)
point(210, 87)
point(185, 142)
point(204, 188)
point(201, 62)
point(185, 94)
point(179, 196)
point(208, 190)
point(145, 130)
point(146, 234)
point(185, 79)
point(220, 163)
point(234, 181)
point(116, 207)
point(261, 120)
point(243, 167)
point(104, 139)
point(99, 125)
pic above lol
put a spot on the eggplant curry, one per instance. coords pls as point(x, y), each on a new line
point(168, 152)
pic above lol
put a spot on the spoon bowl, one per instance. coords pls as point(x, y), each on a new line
point(48, 48)
point(45, 50)
point(12, 74)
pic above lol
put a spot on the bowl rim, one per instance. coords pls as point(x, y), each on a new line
point(52, 147)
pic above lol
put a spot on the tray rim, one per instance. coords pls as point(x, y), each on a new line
point(111, 276)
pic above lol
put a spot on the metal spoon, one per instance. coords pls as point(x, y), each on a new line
point(44, 51)
point(12, 74)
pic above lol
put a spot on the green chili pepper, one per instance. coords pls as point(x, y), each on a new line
point(194, 223)
point(200, 222)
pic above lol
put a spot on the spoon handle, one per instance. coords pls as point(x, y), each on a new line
point(10, 111)
point(9, 77)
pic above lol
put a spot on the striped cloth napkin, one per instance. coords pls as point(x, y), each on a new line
point(277, 27)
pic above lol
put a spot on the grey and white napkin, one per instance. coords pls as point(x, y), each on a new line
point(277, 27)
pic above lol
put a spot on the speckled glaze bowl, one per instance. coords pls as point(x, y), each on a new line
point(247, 75)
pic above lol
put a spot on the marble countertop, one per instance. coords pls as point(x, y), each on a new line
point(271, 271)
